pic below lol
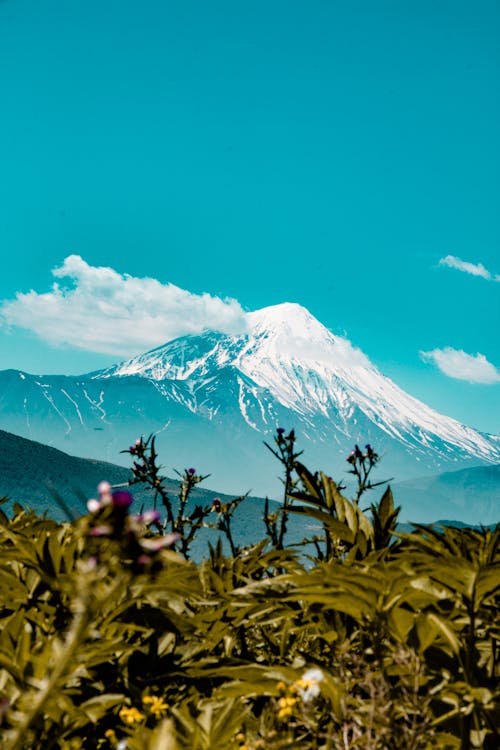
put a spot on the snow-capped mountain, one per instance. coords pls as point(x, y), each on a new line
point(213, 398)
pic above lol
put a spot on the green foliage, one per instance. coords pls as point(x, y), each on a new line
point(359, 637)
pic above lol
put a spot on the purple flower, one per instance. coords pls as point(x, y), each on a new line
point(280, 430)
point(191, 471)
point(122, 499)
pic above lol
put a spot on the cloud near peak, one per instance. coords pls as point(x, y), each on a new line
point(475, 269)
point(104, 311)
point(456, 363)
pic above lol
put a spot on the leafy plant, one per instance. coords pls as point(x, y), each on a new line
point(359, 637)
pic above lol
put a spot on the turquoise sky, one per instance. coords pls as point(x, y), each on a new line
point(328, 153)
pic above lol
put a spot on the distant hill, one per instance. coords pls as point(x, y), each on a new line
point(470, 496)
point(30, 472)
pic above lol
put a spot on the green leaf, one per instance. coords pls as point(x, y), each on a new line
point(95, 708)
point(337, 529)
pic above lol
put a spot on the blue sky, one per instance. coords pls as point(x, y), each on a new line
point(327, 153)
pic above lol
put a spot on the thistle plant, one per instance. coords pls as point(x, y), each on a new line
point(362, 465)
point(180, 521)
point(284, 450)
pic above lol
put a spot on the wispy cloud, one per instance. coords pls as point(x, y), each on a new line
point(101, 310)
point(456, 363)
point(475, 269)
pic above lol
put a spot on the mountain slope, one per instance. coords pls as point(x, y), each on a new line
point(290, 364)
point(213, 399)
point(469, 495)
point(30, 472)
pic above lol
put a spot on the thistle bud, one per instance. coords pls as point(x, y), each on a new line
point(121, 499)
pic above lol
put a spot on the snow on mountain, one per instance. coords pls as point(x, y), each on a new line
point(299, 364)
point(212, 399)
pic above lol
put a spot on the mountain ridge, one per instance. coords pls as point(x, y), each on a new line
point(30, 473)
point(213, 398)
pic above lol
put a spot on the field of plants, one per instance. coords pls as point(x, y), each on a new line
point(111, 636)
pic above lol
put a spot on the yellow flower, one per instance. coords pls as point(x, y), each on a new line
point(288, 701)
point(156, 705)
point(284, 712)
point(110, 734)
point(305, 684)
point(131, 715)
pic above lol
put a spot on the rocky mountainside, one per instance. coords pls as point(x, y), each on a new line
point(212, 399)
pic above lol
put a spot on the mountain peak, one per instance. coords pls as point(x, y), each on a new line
point(287, 320)
point(290, 313)
point(289, 332)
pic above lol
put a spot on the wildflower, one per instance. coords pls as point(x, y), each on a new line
point(93, 505)
point(155, 545)
point(131, 715)
point(192, 471)
point(308, 685)
point(216, 504)
point(149, 517)
point(110, 735)
point(103, 530)
point(104, 490)
point(280, 430)
point(351, 458)
point(143, 561)
point(121, 499)
point(155, 705)
point(285, 712)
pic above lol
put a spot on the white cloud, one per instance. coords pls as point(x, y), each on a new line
point(456, 363)
point(101, 310)
point(476, 269)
